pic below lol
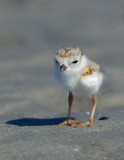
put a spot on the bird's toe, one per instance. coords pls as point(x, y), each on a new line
point(89, 124)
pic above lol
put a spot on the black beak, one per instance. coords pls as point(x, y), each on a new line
point(62, 68)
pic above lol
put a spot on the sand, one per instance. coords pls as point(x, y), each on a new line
point(31, 100)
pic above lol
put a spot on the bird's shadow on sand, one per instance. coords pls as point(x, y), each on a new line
point(36, 122)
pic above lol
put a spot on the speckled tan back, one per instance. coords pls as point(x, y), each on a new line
point(90, 69)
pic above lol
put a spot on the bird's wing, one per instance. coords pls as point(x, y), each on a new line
point(92, 77)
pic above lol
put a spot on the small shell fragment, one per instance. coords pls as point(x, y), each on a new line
point(104, 118)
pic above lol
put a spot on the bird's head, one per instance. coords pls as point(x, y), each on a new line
point(68, 59)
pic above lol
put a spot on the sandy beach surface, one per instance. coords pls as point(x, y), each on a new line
point(31, 101)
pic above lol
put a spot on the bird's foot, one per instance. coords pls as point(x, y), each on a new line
point(89, 124)
point(69, 122)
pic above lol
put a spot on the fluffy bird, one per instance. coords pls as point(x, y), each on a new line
point(76, 73)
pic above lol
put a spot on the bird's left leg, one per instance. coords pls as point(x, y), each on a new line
point(90, 122)
point(69, 121)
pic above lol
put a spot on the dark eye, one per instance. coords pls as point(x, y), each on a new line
point(75, 62)
point(56, 62)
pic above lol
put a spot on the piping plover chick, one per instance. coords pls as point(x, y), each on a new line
point(76, 73)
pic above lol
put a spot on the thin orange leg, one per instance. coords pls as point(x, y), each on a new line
point(69, 121)
point(90, 122)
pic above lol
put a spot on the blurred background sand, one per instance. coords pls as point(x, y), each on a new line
point(31, 32)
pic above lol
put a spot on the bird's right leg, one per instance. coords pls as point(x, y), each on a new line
point(90, 122)
point(69, 121)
